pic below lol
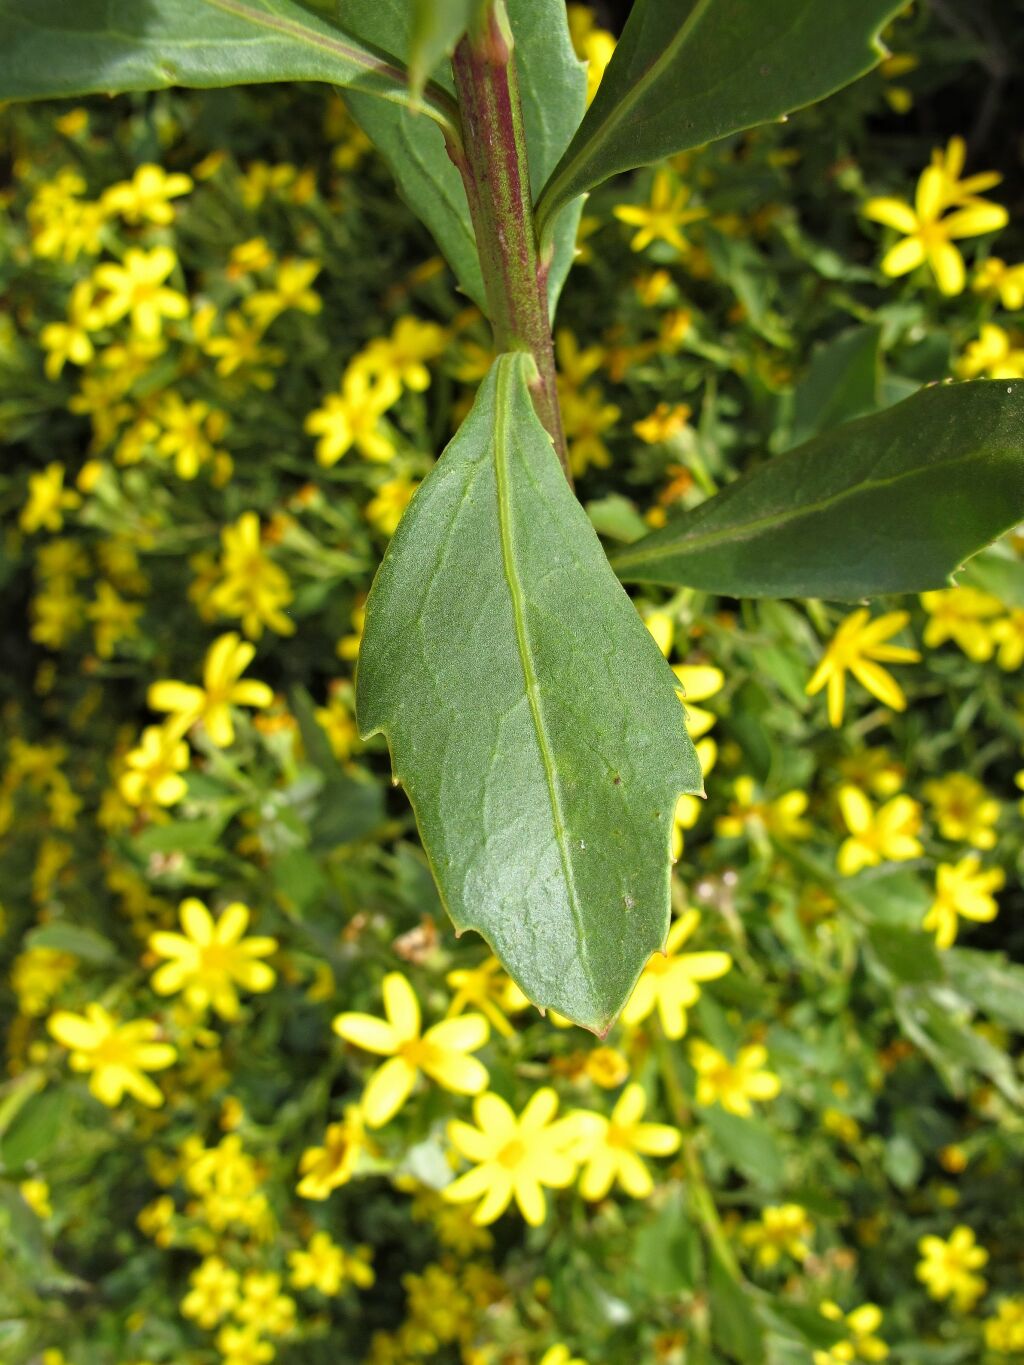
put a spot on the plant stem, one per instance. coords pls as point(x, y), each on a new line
point(495, 172)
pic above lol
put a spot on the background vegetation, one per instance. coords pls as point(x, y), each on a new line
point(227, 355)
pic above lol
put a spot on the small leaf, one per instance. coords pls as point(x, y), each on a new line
point(75, 939)
point(686, 72)
point(530, 715)
point(734, 1324)
point(552, 86)
point(80, 47)
point(34, 1129)
point(892, 503)
point(749, 1145)
point(437, 25)
point(997, 571)
point(842, 382)
point(906, 954)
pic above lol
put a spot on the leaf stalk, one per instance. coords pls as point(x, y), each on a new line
point(495, 171)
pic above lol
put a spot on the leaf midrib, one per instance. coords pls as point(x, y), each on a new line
point(501, 470)
point(744, 530)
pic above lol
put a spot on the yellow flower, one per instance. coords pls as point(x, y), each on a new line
point(929, 232)
point(575, 366)
point(946, 1268)
point(782, 817)
point(64, 341)
point(669, 981)
point(263, 1307)
point(665, 216)
point(36, 1194)
point(189, 431)
point(211, 958)
point(961, 615)
point(243, 1346)
point(1005, 1331)
point(324, 1168)
point(1006, 282)
point(610, 1148)
point(352, 418)
point(697, 682)
point(400, 357)
point(862, 1345)
point(874, 769)
point(113, 619)
point(782, 1229)
point(961, 889)
point(950, 164)
point(559, 1354)
point(223, 687)
point(153, 769)
point(513, 1157)
point(858, 647)
point(116, 1055)
point(1008, 632)
point(586, 417)
point(37, 975)
point(214, 1293)
point(594, 46)
point(48, 500)
point(386, 508)
point(965, 812)
point(606, 1067)
point(995, 354)
point(667, 420)
point(137, 288)
point(327, 1267)
point(292, 290)
point(145, 197)
point(486, 989)
point(732, 1084)
point(253, 588)
point(337, 721)
point(441, 1052)
point(242, 352)
point(886, 834)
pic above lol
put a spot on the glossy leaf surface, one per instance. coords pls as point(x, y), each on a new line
point(552, 85)
point(686, 72)
point(531, 717)
point(894, 502)
point(79, 47)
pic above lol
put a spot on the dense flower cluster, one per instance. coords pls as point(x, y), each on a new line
point(258, 1103)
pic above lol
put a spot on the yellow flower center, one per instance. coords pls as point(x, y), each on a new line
point(419, 1053)
point(619, 1136)
point(511, 1154)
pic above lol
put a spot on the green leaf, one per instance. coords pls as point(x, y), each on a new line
point(82, 47)
point(734, 1323)
point(437, 25)
point(749, 1145)
point(906, 954)
point(842, 382)
point(530, 714)
point(686, 72)
point(992, 983)
point(34, 1129)
point(999, 572)
point(75, 939)
point(892, 503)
point(666, 1255)
point(552, 85)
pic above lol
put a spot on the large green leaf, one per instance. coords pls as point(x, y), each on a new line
point(894, 502)
point(530, 715)
point(688, 71)
point(552, 85)
point(79, 47)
